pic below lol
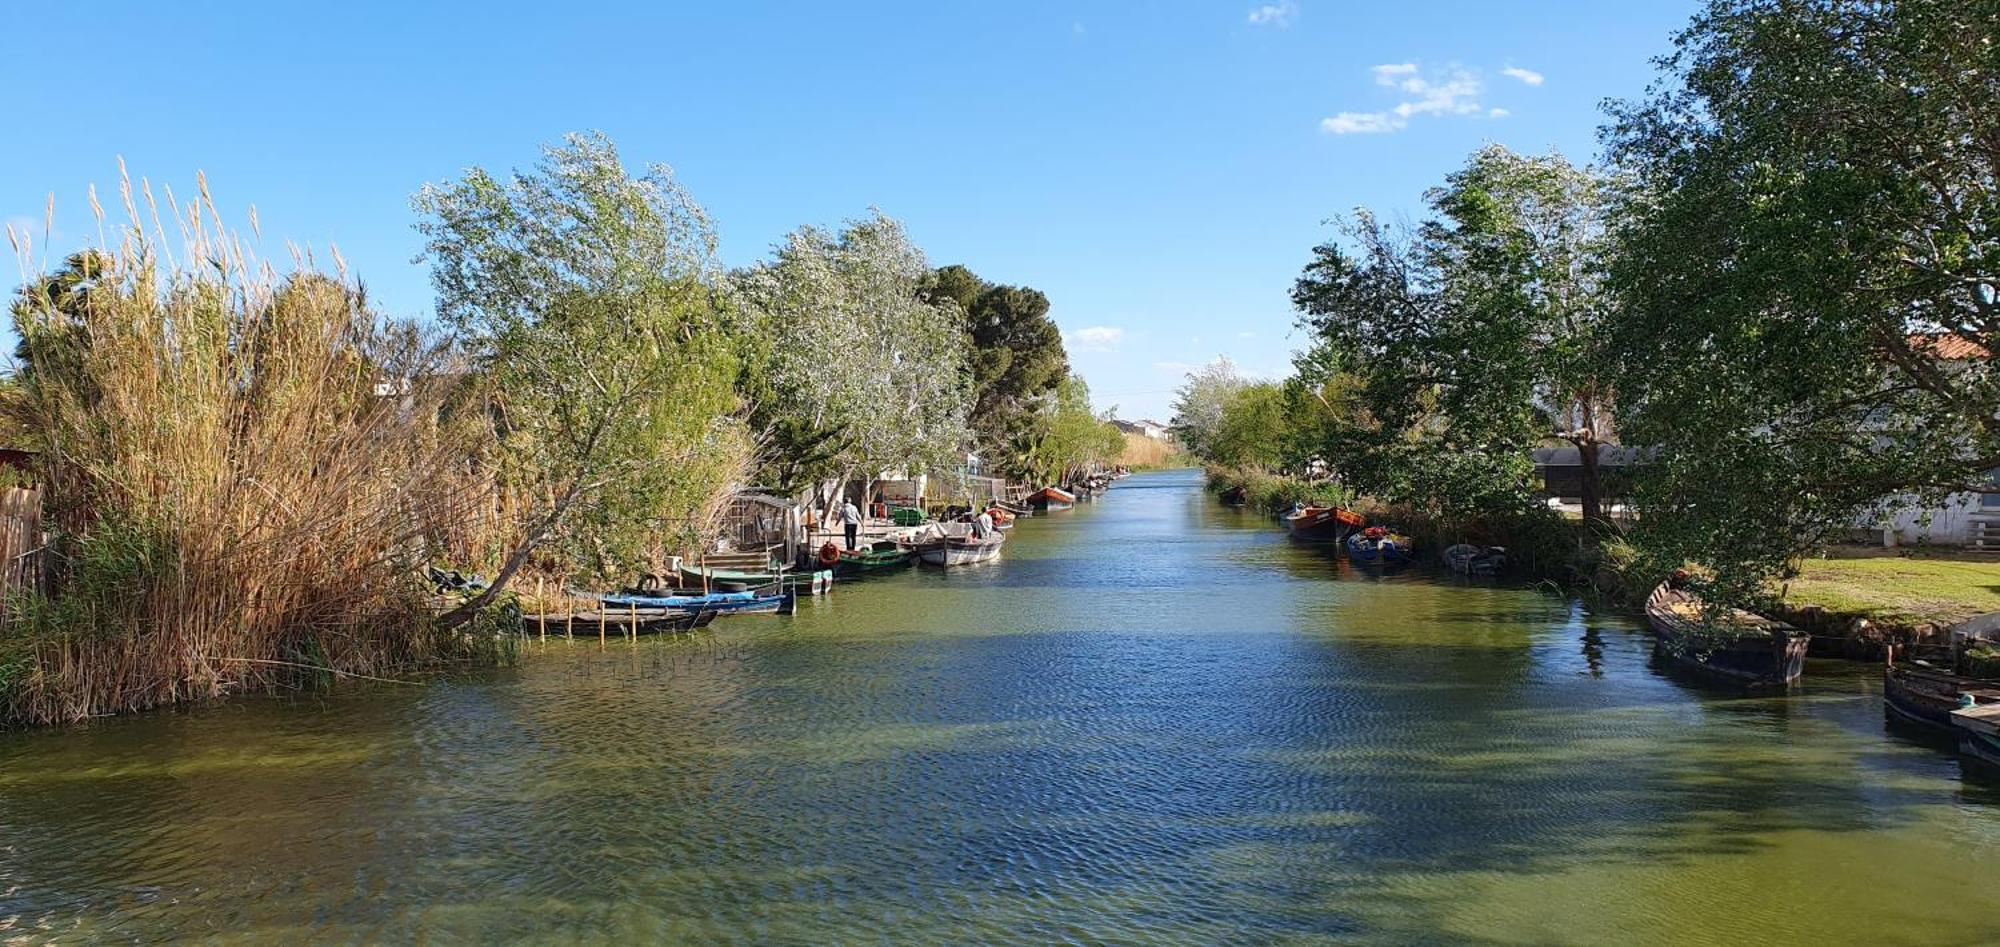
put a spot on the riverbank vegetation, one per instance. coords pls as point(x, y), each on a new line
point(240, 473)
point(243, 476)
point(1780, 287)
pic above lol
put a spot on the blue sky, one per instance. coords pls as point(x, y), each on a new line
point(1161, 170)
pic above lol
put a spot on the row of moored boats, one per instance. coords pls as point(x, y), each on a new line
point(726, 584)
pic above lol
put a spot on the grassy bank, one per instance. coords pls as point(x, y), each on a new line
point(1273, 493)
point(1902, 590)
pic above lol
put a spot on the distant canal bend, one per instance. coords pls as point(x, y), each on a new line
point(1155, 721)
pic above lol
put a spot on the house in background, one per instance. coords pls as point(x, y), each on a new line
point(1143, 428)
point(1962, 519)
point(1559, 471)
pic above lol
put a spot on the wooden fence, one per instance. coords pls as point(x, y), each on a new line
point(21, 539)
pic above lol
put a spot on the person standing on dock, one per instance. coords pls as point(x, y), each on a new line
point(850, 519)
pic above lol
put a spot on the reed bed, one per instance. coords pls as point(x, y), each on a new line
point(242, 474)
point(1151, 453)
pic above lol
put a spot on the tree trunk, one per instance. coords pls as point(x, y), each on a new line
point(1590, 486)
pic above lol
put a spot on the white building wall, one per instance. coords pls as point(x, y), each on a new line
point(1949, 524)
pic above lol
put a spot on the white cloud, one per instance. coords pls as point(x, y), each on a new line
point(1097, 338)
point(1361, 123)
point(1497, 113)
point(1174, 368)
point(1528, 76)
point(1280, 14)
point(1454, 90)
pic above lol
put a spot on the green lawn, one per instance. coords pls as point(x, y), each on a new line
point(1897, 589)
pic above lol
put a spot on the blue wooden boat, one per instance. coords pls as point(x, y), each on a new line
point(1377, 545)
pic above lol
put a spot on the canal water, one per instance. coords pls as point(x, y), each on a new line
point(1155, 721)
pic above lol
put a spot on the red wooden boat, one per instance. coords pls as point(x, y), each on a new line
point(1323, 524)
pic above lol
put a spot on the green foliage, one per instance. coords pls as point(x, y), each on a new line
point(1456, 349)
point(1814, 215)
point(1254, 428)
point(1073, 440)
point(1200, 403)
point(1272, 493)
point(861, 359)
point(1017, 361)
point(591, 299)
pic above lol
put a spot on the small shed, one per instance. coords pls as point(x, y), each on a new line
point(753, 522)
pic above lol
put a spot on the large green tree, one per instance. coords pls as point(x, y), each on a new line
point(1470, 340)
point(1017, 361)
point(859, 354)
point(1809, 272)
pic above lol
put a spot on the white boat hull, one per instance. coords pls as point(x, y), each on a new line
point(952, 554)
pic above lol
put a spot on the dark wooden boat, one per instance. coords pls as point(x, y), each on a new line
point(1322, 524)
point(1468, 559)
point(1233, 496)
point(1745, 649)
point(617, 622)
point(1926, 695)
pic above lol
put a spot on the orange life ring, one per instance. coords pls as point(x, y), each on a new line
point(829, 554)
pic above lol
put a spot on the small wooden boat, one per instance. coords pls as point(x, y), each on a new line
point(883, 556)
point(1322, 524)
point(955, 545)
point(1051, 498)
point(1979, 732)
point(1233, 496)
point(1002, 517)
point(721, 603)
point(1747, 649)
point(1921, 694)
point(617, 622)
point(1376, 545)
point(1468, 559)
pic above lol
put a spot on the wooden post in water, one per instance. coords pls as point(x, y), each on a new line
point(542, 611)
point(600, 624)
point(569, 616)
point(632, 621)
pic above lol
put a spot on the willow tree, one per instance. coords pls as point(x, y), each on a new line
point(855, 345)
point(1810, 273)
point(592, 301)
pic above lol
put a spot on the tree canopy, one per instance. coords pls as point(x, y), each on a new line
point(859, 353)
point(1017, 361)
point(591, 299)
point(1809, 262)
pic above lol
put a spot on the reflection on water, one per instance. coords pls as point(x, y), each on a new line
point(1155, 720)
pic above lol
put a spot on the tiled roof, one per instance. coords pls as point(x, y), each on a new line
point(1947, 346)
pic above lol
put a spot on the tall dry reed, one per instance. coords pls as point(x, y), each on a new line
point(243, 475)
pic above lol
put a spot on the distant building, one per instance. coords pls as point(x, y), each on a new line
point(1144, 428)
